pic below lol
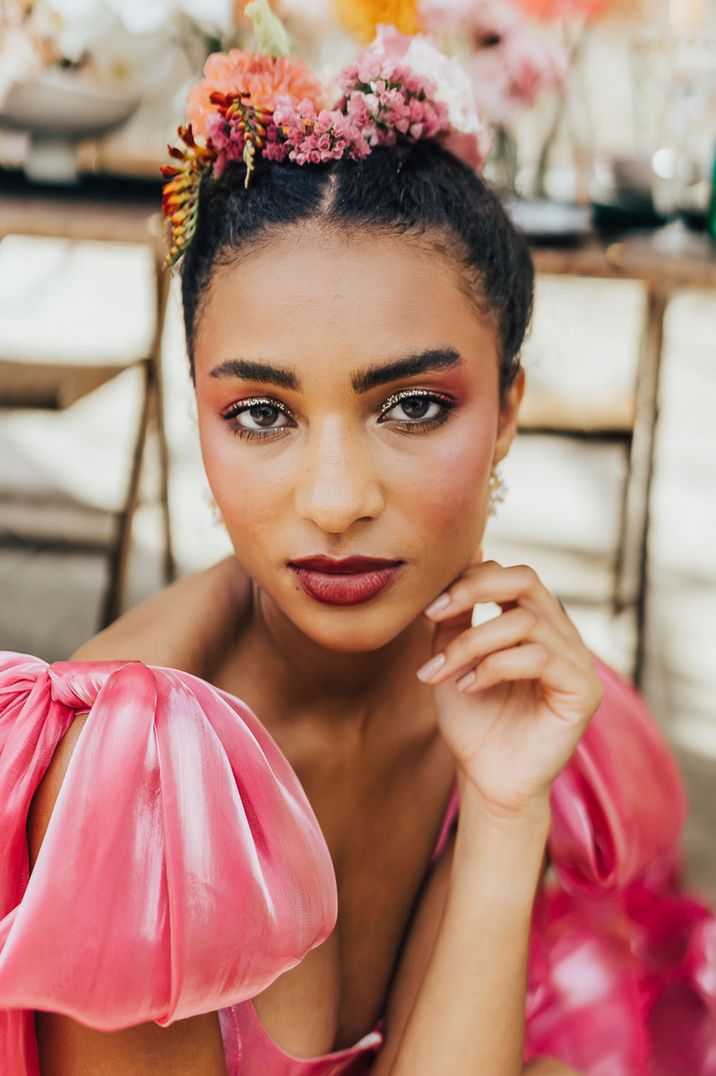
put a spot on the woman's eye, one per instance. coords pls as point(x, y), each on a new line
point(423, 410)
point(258, 418)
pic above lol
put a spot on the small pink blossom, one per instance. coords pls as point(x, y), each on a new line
point(400, 87)
point(407, 86)
point(514, 73)
point(512, 61)
point(534, 61)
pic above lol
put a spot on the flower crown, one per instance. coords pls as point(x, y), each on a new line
point(401, 87)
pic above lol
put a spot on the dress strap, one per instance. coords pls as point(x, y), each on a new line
point(449, 820)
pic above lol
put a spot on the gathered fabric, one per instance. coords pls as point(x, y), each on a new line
point(184, 869)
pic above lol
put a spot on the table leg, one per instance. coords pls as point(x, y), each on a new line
point(119, 556)
point(163, 285)
point(631, 576)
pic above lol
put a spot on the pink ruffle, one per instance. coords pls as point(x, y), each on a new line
point(622, 965)
point(183, 868)
point(618, 807)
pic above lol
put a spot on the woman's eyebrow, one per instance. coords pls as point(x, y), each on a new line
point(250, 370)
point(362, 380)
point(421, 363)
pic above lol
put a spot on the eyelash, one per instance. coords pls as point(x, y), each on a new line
point(269, 433)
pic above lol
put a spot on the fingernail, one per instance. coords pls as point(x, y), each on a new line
point(466, 680)
point(431, 667)
point(437, 605)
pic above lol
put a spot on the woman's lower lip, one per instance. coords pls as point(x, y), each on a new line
point(345, 589)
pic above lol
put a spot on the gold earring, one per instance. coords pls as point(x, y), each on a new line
point(497, 487)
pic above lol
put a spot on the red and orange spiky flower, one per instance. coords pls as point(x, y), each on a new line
point(180, 196)
point(246, 125)
point(243, 131)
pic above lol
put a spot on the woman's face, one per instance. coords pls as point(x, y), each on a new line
point(338, 451)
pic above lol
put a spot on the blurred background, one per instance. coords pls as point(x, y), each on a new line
point(603, 120)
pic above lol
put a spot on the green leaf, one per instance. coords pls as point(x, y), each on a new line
point(271, 35)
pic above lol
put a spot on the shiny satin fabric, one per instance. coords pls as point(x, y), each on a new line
point(184, 869)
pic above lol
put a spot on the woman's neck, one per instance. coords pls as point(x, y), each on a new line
point(346, 693)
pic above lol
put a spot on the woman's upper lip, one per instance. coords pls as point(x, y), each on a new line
point(349, 565)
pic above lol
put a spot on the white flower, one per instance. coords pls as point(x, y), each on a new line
point(132, 62)
point(142, 16)
point(18, 60)
point(138, 16)
point(215, 15)
point(454, 89)
point(80, 24)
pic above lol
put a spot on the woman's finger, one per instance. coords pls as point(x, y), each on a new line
point(531, 661)
point(491, 582)
point(516, 625)
point(525, 662)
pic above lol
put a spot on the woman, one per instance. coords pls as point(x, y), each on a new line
point(292, 814)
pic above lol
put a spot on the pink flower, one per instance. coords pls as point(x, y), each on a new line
point(264, 78)
point(516, 71)
point(408, 86)
point(313, 137)
point(512, 61)
point(401, 86)
point(535, 63)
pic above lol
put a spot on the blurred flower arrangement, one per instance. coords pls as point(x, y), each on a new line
point(519, 54)
point(515, 54)
point(115, 44)
point(399, 88)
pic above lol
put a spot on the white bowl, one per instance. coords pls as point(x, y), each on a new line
point(59, 109)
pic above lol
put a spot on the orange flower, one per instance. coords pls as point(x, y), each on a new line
point(360, 17)
point(243, 71)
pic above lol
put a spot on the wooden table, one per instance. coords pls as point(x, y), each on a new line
point(102, 211)
point(665, 261)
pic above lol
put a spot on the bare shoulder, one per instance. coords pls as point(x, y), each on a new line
point(182, 626)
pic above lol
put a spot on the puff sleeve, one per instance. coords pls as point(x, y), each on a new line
point(618, 807)
point(183, 868)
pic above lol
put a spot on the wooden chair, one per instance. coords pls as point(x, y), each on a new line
point(663, 261)
point(42, 384)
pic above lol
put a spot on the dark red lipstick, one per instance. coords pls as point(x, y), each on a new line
point(347, 581)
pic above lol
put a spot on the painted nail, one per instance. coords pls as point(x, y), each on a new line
point(466, 680)
point(427, 671)
point(437, 605)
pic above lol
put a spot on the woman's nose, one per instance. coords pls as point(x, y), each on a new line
point(337, 480)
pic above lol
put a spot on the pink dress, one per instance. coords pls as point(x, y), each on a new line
point(183, 870)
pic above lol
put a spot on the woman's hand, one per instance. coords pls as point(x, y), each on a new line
point(534, 687)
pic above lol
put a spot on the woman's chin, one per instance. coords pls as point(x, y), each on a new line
point(355, 628)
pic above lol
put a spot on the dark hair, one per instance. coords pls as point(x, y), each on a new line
point(416, 188)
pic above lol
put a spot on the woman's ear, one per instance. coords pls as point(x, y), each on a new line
point(507, 426)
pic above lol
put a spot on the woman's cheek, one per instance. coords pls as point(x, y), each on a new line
point(453, 493)
point(228, 469)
